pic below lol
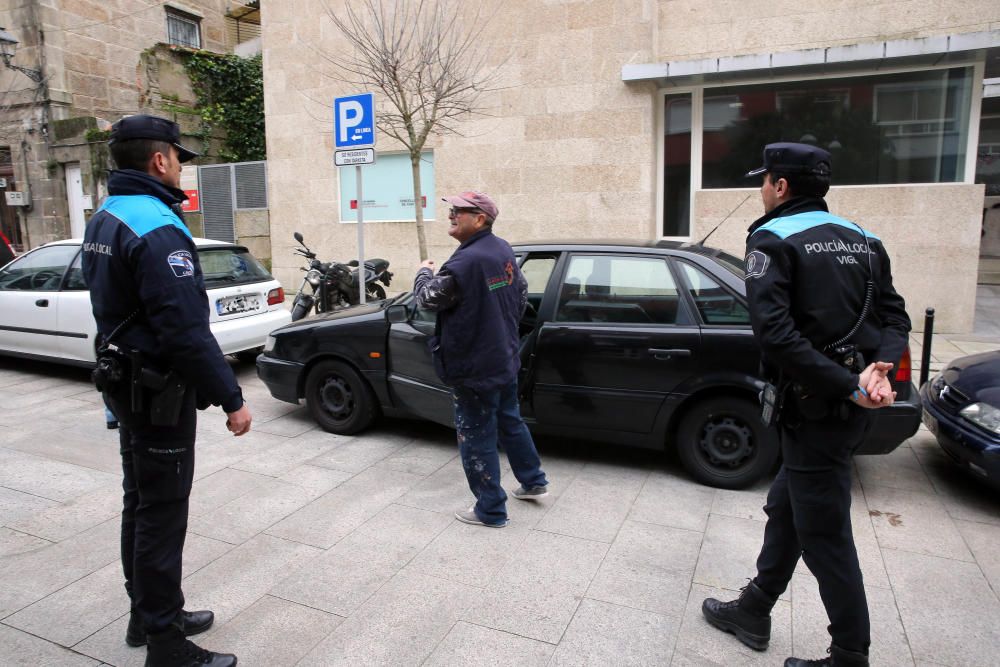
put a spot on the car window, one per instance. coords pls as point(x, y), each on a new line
point(40, 270)
point(537, 269)
point(223, 267)
point(620, 289)
point(715, 304)
point(74, 279)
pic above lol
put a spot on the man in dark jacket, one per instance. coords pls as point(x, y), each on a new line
point(479, 295)
point(821, 300)
point(159, 359)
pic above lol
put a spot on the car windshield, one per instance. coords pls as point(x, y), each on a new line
point(223, 267)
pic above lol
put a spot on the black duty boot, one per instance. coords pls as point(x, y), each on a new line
point(172, 649)
point(193, 623)
point(748, 617)
point(838, 658)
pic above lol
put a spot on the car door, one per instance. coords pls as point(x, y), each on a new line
point(29, 300)
point(413, 383)
point(76, 316)
point(621, 339)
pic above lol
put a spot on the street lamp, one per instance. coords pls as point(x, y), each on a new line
point(7, 47)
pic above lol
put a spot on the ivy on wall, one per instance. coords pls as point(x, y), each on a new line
point(230, 92)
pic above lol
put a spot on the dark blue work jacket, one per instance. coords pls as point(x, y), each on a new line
point(140, 261)
point(479, 295)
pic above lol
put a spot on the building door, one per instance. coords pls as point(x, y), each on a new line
point(74, 197)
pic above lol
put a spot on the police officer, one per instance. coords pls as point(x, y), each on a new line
point(149, 300)
point(821, 300)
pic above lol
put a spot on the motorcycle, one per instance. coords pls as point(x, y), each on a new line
point(335, 285)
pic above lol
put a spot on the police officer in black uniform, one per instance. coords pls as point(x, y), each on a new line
point(821, 301)
point(158, 362)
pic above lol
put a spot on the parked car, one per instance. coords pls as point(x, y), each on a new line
point(644, 344)
point(962, 410)
point(45, 310)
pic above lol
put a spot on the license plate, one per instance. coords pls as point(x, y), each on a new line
point(241, 303)
point(931, 422)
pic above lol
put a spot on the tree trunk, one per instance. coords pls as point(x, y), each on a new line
point(418, 208)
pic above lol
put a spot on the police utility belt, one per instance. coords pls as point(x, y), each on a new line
point(123, 374)
point(777, 401)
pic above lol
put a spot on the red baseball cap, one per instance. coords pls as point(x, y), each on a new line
point(477, 200)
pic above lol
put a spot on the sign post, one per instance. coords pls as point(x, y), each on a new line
point(354, 128)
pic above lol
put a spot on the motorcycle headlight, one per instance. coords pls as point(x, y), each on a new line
point(313, 277)
point(269, 343)
point(983, 415)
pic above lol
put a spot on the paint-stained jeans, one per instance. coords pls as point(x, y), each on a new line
point(483, 419)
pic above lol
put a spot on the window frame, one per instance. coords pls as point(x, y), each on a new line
point(171, 12)
point(697, 92)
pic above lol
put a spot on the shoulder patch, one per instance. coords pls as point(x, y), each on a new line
point(756, 264)
point(181, 264)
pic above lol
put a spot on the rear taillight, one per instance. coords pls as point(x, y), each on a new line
point(903, 372)
point(276, 296)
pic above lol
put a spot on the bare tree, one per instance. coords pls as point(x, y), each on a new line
point(428, 60)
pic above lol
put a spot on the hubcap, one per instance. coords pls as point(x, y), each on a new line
point(336, 397)
point(726, 442)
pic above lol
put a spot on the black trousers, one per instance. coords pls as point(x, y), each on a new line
point(158, 469)
point(809, 515)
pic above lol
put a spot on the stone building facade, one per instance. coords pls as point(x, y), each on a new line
point(631, 118)
point(97, 61)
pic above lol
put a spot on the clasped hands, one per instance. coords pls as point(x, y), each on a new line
point(875, 381)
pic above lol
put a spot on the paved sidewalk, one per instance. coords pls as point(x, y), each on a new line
point(315, 549)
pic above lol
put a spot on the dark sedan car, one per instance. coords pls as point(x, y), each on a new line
point(644, 344)
point(962, 410)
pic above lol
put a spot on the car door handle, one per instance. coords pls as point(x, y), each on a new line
point(42, 303)
point(664, 354)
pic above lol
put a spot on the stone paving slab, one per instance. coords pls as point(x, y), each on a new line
point(317, 549)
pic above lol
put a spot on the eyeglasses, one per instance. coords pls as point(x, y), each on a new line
point(455, 212)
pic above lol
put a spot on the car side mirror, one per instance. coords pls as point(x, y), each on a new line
point(397, 313)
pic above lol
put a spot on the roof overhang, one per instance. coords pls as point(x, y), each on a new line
point(924, 51)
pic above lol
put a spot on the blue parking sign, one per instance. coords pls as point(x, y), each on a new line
point(354, 121)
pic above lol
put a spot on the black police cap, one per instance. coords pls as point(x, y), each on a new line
point(792, 158)
point(151, 127)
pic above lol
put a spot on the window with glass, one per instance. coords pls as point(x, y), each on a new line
point(40, 271)
point(909, 127)
point(618, 289)
point(715, 304)
point(183, 29)
point(536, 270)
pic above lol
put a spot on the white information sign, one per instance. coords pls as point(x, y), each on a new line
point(356, 156)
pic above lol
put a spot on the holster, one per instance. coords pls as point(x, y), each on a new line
point(123, 375)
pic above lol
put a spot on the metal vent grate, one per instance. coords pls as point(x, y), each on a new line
point(217, 202)
point(251, 185)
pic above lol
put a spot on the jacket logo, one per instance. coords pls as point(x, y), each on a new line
point(756, 264)
point(506, 279)
point(180, 263)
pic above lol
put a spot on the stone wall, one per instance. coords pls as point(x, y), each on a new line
point(570, 151)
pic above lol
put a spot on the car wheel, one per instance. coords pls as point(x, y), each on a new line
point(722, 443)
point(339, 399)
point(249, 356)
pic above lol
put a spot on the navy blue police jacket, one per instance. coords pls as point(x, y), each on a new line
point(806, 272)
point(139, 258)
point(479, 295)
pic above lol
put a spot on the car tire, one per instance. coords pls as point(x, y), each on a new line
point(339, 399)
point(722, 443)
